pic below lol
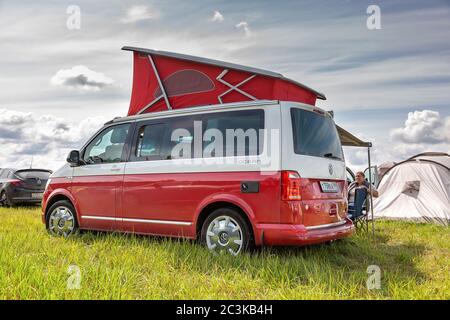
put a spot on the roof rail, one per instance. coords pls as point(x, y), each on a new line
point(111, 121)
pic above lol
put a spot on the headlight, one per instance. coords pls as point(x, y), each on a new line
point(48, 183)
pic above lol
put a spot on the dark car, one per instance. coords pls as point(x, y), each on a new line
point(22, 186)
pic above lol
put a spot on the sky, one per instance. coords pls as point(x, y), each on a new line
point(60, 80)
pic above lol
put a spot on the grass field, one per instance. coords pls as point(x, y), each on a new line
point(414, 262)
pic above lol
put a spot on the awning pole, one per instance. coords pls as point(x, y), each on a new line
point(370, 193)
point(166, 98)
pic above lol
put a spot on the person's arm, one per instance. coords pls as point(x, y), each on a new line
point(374, 191)
point(371, 188)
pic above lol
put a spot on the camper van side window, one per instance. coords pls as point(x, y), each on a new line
point(149, 142)
point(164, 139)
point(234, 133)
point(179, 144)
point(107, 147)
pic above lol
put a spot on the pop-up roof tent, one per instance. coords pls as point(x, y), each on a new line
point(416, 189)
point(166, 80)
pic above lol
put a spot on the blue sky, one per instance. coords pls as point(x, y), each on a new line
point(375, 80)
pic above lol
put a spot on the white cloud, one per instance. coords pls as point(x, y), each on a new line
point(244, 25)
point(424, 126)
point(140, 12)
point(81, 77)
point(45, 138)
point(217, 16)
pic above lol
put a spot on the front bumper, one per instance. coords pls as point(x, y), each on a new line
point(298, 235)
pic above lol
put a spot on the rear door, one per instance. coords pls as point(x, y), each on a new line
point(311, 146)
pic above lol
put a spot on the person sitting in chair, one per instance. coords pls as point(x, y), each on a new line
point(357, 195)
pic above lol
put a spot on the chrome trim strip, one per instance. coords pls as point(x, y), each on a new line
point(99, 218)
point(180, 223)
point(322, 226)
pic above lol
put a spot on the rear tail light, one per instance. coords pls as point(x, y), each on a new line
point(333, 210)
point(290, 184)
point(15, 182)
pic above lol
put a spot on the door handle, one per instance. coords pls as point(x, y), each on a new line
point(115, 169)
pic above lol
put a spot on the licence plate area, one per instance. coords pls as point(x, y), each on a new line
point(329, 186)
point(37, 195)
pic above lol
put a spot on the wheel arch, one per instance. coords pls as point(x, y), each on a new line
point(58, 196)
point(239, 206)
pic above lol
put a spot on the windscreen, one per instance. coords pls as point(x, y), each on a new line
point(315, 135)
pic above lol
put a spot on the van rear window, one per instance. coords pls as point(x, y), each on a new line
point(315, 135)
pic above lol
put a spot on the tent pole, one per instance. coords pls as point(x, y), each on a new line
point(370, 193)
point(166, 98)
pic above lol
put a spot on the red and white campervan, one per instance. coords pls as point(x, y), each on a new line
point(209, 151)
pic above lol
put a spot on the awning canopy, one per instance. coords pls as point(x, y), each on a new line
point(349, 140)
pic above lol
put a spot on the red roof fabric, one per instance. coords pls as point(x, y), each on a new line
point(190, 83)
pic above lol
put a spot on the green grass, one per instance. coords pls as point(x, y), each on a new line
point(414, 260)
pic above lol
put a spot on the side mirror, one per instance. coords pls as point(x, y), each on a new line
point(74, 158)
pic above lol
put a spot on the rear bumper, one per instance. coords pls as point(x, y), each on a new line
point(26, 200)
point(25, 196)
point(298, 235)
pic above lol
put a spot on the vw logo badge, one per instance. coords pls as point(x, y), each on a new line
point(330, 169)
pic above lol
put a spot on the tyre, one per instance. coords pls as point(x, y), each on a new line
point(61, 219)
point(4, 200)
point(226, 231)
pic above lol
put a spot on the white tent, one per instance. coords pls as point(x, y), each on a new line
point(384, 167)
point(416, 189)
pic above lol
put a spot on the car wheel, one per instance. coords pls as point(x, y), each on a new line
point(61, 219)
point(225, 231)
point(4, 200)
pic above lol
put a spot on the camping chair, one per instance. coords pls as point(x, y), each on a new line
point(361, 209)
